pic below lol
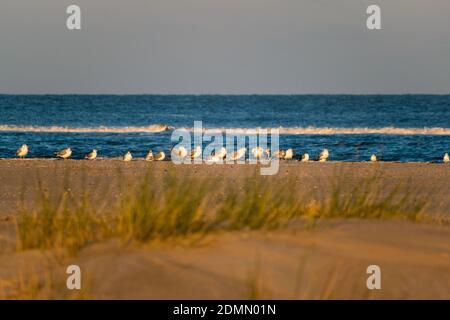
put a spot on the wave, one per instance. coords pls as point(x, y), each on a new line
point(335, 130)
point(100, 129)
point(155, 128)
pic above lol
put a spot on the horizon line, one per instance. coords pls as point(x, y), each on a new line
point(224, 94)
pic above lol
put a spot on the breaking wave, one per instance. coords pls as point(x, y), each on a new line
point(100, 129)
point(336, 130)
point(282, 130)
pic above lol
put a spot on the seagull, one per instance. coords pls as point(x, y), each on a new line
point(213, 159)
point(222, 153)
point(305, 157)
point(180, 152)
point(257, 152)
point(279, 154)
point(91, 155)
point(238, 154)
point(216, 157)
point(373, 158)
point(64, 154)
point(149, 156)
point(197, 152)
point(288, 154)
point(160, 156)
point(127, 157)
point(446, 158)
point(323, 156)
point(22, 151)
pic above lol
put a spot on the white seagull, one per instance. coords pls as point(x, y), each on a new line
point(288, 154)
point(323, 156)
point(222, 153)
point(217, 156)
point(446, 158)
point(127, 157)
point(160, 156)
point(180, 152)
point(64, 154)
point(213, 159)
point(22, 151)
point(373, 158)
point(238, 154)
point(305, 157)
point(149, 156)
point(257, 152)
point(279, 154)
point(91, 155)
point(197, 152)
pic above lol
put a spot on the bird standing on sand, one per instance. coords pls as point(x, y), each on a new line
point(305, 157)
point(279, 154)
point(180, 152)
point(238, 154)
point(222, 153)
point(288, 154)
point(213, 159)
point(257, 152)
point(149, 156)
point(197, 152)
point(22, 151)
point(160, 156)
point(323, 156)
point(127, 157)
point(216, 156)
point(64, 154)
point(373, 158)
point(91, 155)
point(446, 158)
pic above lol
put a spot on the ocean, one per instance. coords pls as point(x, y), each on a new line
point(395, 127)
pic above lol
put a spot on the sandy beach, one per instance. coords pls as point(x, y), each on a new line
point(326, 261)
point(19, 177)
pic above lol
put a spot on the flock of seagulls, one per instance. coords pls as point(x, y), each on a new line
point(182, 153)
point(148, 157)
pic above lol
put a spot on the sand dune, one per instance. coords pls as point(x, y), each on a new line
point(328, 262)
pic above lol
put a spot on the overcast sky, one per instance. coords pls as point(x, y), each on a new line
point(225, 46)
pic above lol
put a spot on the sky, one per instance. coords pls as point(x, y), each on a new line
point(225, 47)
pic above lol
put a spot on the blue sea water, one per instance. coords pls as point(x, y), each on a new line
point(352, 127)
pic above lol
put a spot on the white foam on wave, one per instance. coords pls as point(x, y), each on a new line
point(335, 130)
point(100, 129)
point(282, 130)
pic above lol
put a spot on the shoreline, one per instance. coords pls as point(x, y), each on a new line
point(296, 159)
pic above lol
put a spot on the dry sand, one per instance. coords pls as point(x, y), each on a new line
point(326, 262)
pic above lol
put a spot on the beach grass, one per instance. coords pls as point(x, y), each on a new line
point(163, 209)
point(179, 207)
point(59, 220)
point(46, 283)
point(43, 277)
